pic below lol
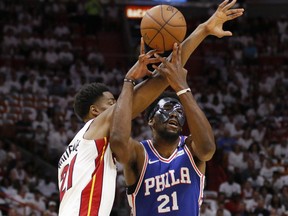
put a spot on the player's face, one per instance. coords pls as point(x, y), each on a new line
point(105, 101)
point(169, 117)
point(167, 108)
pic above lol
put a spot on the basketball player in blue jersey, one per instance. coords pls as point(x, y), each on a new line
point(86, 170)
point(165, 175)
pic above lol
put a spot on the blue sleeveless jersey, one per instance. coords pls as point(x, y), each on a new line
point(168, 186)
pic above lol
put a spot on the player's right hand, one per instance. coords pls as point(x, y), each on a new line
point(173, 71)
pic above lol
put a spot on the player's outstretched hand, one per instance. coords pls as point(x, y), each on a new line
point(140, 70)
point(224, 12)
point(173, 70)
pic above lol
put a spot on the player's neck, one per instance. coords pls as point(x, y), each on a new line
point(165, 147)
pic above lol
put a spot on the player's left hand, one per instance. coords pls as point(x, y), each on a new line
point(224, 12)
point(140, 70)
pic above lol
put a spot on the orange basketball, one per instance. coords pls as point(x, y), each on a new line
point(162, 26)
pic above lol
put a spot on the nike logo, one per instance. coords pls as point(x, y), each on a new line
point(152, 162)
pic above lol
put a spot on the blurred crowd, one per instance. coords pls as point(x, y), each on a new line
point(240, 83)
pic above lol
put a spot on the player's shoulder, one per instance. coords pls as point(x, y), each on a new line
point(97, 128)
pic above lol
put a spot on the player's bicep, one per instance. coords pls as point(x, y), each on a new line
point(128, 153)
point(134, 166)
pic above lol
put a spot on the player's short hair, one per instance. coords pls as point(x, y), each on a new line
point(150, 111)
point(88, 95)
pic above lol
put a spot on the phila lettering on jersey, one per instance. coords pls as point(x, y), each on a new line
point(168, 186)
point(86, 177)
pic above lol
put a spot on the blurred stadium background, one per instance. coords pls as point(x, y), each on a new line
point(50, 48)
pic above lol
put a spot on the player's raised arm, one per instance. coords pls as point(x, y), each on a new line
point(150, 89)
point(213, 26)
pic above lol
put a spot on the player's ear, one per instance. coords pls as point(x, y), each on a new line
point(94, 110)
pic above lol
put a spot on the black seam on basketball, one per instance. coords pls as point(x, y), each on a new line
point(165, 23)
point(157, 30)
point(162, 26)
point(171, 35)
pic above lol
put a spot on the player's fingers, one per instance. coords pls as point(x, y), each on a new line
point(142, 47)
point(222, 5)
point(174, 53)
point(235, 15)
point(154, 60)
point(151, 53)
point(226, 33)
point(149, 73)
point(157, 56)
point(166, 65)
point(234, 11)
point(179, 53)
point(141, 58)
point(159, 69)
point(231, 4)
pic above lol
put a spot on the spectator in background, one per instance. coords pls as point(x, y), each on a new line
point(31, 85)
point(222, 211)
point(225, 141)
point(4, 87)
point(230, 186)
point(95, 57)
point(284, 196)
point(23, 127)
point(258, 133)
point(51, 58)
point(282, 24)
point(3, 153)
point(57, 140)
point(52, 209)
point(237, 159)
point(235, 204)
point(252, 202)
point(46, 186)
point(13, 81)
point(18, 172)
point(245, 140)
point(40, 140)
point(247, 190)
point(61, 30)
point(276, 205)
point(72, 127)
point(65, 57)
point(281, 150)
point(266, 192)
point(261, 209)
point(205, 210)
point(267, 170)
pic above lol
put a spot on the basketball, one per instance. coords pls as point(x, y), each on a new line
point(162, 26)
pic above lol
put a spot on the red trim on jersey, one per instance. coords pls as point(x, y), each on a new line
point(193, 162)
point(202, 176)
point(165, 160)
point(142, 174)
point(91, 195)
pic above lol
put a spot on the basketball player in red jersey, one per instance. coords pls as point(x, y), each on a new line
point(86, 170)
